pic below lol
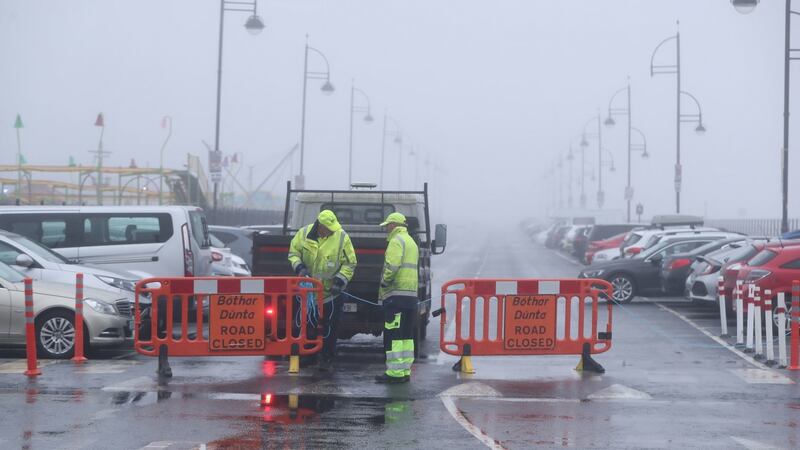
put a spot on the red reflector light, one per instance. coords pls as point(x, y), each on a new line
point(678, 263)
point(266, 399)
point(269, 311)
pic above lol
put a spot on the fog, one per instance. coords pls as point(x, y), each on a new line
point(490, 92)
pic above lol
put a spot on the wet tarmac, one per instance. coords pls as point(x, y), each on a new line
point(667, 385)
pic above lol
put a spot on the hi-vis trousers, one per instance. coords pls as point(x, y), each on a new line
point(400, 317)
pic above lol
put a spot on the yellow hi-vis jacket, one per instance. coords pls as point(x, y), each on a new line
point(325, 258)
point(400, 275)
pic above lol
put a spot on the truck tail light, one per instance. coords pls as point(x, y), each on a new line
point(216, 256)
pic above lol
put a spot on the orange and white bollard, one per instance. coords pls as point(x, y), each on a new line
point(739, 313)
point(30, 331)
point(769, 341)
point(748, 300)
point(759, 347)
point(794, 363)
point(78, 356)
point(780, 314)
point(723, 309)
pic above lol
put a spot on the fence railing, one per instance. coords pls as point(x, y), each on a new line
point(755, 227)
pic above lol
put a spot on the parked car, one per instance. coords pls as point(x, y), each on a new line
point(774, 268)
point(554, 239)
point(605, 244)
point(224, 263)
point(599, 233)
point(54, 315)
point(675, 268)
point(158, 240)
point(640, 240)
point(609, 254)
point(570, 237)
point(702, 282)
point(640, 275)
point(239, 240)
point(38, 262)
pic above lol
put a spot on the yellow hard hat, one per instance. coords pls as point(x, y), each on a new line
point(328, 219)
point(394, 217)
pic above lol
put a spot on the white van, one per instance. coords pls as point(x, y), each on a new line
point(144, 240)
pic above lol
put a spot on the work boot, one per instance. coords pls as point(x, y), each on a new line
point(386, 379)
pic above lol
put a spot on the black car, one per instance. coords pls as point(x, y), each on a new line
point(676, 268)
point(642, 274)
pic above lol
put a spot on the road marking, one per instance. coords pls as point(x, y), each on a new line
point(724, 344)
point(619, 392)
point(479, 434)
point(760, 376)
point(21, 365)
point(567, 259)
point(106, 367)
point(141, 384)
point(167, 444)
point(751, 444)
point(235, 396)
point(471, 389)
point(483, 262)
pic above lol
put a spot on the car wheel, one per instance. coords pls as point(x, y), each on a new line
point(55, 335)
point(624, 288)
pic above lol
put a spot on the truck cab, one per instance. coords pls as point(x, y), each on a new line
point(360, 211)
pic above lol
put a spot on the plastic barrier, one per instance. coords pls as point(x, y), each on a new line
point(30, 332)
point(78, 355)
point(794, 359)
point(484, 317)
point(272, 316)
point(723, 309)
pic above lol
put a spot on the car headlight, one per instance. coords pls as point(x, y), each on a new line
point(101, 306)
point(119, 283)
point(592, 273)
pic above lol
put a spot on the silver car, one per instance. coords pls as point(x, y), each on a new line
point(702, 282)
point(54, 313)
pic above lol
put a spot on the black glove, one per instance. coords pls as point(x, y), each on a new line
point(301, 270)
point(338, 285)
point(313, 233)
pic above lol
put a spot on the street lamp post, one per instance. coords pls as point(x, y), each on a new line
point(398, 139)
point(327, 89)
point(253, 25)
point(18, 126)
point(166, 122)
point(700, 129)
point(584, 144)
point(570, 158)
point(745, 7)
point(100, 153)
point(367, 118)
point(610, 123)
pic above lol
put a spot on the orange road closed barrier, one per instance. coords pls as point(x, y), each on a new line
point(496, 317)
point(224, 316)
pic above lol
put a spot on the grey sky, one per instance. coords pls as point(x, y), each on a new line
point(493, 91)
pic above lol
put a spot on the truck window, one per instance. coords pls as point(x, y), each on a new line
point(359, 213)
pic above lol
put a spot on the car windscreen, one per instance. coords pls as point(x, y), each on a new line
point(631, 239)
point(9, 274)
point(360, 213)
point(763, 257)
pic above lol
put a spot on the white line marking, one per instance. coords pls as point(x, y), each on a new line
point(752, 445)
point(719, 341)
point(235, 396)
point(471, 389)
point(759, 376)
point(483, 262)
point(479, 434)
point(567, 259)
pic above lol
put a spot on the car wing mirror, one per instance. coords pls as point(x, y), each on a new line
point(439, 239)
point(656, 259)
point(24, 260)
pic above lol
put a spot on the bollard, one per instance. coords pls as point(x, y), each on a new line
point(737, 292)
point(794, 364)
point(78, 356)
point(780, 312)
point(769, 341)
point(748, 299)
point(759, 339)
point(294, 359)
point(30, 331)
point(723, 313)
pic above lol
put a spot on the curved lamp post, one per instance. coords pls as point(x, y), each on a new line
point(584, 144)
point(327, 89)
point(789, 55)
point(166, 122)
point(398, 139)
point(676, 69)
point(254, 25)
point(367, 110)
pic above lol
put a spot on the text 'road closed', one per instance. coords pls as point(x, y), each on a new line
point(530, 322)
point(236, 322)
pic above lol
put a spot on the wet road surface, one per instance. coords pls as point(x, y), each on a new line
point(667, 384)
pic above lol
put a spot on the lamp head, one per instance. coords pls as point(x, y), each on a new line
point(584, 142)
point(398, 139)
point(612, 168)
point(254, 24)
point(610, 122)
point(645, 155)
point(327, 88)
point(701, 129)
point(368, 118)
point(744, 6)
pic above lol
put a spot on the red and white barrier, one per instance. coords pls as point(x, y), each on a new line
point(723, 310)
point(794, 363)
point(739, 313)
point(78, 356)
point(759, 339)
point(769, 341)
point(780, 314)
point(30, 331)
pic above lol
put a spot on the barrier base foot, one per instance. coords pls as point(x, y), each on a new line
point(464, 365)
point(759, 357)
point(294, 364)
point(587, 363)
point(725, 335)
point(749, 350)
point(33, 372)
point(164, 370)
point(79, 359)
